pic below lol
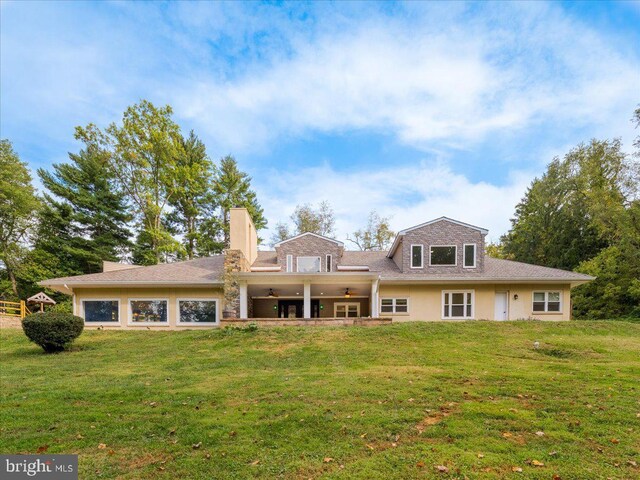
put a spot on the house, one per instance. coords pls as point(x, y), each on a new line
point(437, 270)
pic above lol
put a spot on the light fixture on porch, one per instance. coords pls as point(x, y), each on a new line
point(347, 293)
point(271, 294)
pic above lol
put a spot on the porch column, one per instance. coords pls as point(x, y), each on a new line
point(244, 310)
point(374, 299)
point(307, 300)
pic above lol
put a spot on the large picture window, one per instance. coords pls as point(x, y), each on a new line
point(101, 311)
point(547, 302)
point(416, 256)
point(443, 255)
point(192, 311)
point(148, 311)
point(457, 304)
point(394, 305)
point(308, 264)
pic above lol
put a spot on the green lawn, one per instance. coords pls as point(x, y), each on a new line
point(382, 402)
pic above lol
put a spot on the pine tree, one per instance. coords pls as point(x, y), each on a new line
point(231, 189)
point(84, 219)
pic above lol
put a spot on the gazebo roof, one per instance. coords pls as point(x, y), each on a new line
point(41, 298)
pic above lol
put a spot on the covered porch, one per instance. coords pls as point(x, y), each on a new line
point(304, 296)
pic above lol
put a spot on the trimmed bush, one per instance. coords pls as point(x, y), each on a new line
point(53, 331)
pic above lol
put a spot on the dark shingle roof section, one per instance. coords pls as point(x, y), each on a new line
point(200, 270)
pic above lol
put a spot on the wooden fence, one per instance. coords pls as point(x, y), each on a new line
point(14, 309)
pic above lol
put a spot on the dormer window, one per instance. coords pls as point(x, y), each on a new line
point(443, 255)
point(417, 256)
point(308, 264)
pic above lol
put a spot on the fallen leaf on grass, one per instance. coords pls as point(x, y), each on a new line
point(370, 447)
point(442, 469)
point(112, 452)
point(537, 463)
point(632, 463)
point(556, 477)
point(172, 431)
point(42, 448)
point(420, 464)
point(480, 455)
point(327, 459)
point(516, 469)
point(196, 446)
point(255, 462)
point(553, 454)
point(363, 435)
point(615, 441)
point(507, 434)
point(79, 437)
point(540, 433)
point(102, 446)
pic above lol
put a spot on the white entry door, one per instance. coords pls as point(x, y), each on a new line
point(502, 306)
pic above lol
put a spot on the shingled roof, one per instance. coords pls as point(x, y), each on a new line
point(206, 270)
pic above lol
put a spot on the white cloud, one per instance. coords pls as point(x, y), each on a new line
point(409, 195)
point(425, 82)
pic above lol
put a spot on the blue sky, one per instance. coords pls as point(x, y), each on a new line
point(414, 109)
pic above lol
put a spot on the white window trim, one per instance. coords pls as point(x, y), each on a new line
point(546, 302)
point(464, 255)
point(328, 261)
point(393, 306)
point(180, 323)
point(82, 300)
point(421, 255)
point(308, 256)
point(473, 305)
point(447, 265)
point(289, 263)
point(346, 304)
point(130, 321)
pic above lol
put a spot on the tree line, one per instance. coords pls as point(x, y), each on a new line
point(583, 214)
point(137, 191)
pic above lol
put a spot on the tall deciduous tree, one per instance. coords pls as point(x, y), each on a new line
point(377, 235)
point(584, 214)
point(193, 176)
point(84, 218)
point(145, 149)
point(18, 205)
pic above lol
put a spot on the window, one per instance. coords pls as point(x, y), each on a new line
point(416, 256)
point(101, 311)
point(148, 311)
point(457, 304)
point(308, 264)
point(469, 255)
point(193, 311)
point(289, 263)
point(344, 310)
point(328, 263)
point(443, 255)
point(394, 305)
point(546, 301)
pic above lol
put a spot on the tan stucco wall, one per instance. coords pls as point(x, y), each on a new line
point(425, 301)
point(263, 307)
point(124, 294)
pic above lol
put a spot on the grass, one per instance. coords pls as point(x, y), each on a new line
point(342, 403)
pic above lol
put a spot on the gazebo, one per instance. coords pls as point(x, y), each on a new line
point(42, 299)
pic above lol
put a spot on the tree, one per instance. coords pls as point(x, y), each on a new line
point(376, 236)
point(84, 218)
point(145, 150)
point(18, 205)
point(231, 189)
point(193, 174)
point(584, 214)
point(305, 219)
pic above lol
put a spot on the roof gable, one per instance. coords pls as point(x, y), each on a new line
point(312, 234)
point(401, 233)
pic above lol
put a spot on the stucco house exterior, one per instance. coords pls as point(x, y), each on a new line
point(437, 270)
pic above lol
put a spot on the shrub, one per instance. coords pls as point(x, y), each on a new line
point(53, 331)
